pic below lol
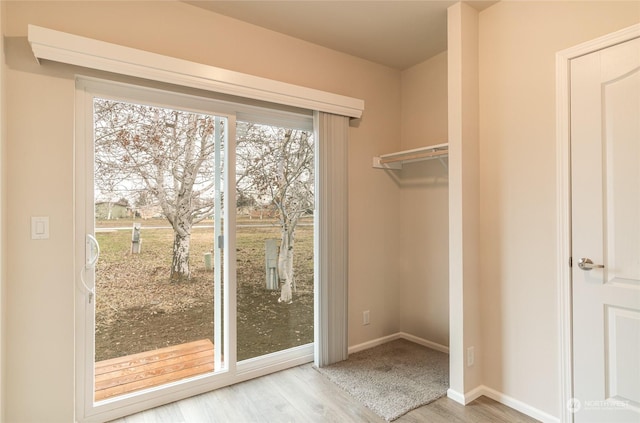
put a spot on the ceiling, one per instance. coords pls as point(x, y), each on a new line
point(398, 34)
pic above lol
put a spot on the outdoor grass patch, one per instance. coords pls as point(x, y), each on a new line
point(138, 309)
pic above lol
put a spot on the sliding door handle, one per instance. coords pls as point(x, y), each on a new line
point(93, 251)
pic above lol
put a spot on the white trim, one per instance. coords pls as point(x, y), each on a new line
point(159, 97)
point(563, 195)
point(373, 343)
point(456, 396)
point(474, 394)
point(497, 396)
point(512, 403)
point(563, 232)
point(274, 362)
point(398, 335)
point(425, 342)
point(82, 327)
point(81, 51)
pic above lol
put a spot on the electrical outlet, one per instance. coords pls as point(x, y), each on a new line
point(470, 356)
point(365, 317)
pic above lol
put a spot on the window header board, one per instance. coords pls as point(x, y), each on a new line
point(48, 44)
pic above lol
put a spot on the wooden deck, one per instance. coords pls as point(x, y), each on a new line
point(131, 373)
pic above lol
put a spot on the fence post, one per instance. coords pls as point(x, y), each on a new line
point(136, 239)
point(207, 261)
point(271, 263)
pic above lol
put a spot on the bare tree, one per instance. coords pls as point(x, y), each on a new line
point(164, 152)
point(275, 166)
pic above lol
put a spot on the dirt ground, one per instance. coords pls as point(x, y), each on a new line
point(137, 309)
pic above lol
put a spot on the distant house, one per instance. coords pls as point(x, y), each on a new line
point(106, 210)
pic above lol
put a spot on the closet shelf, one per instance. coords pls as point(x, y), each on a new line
point(396, 160)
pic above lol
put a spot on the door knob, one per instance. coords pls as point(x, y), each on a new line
point(587, 264)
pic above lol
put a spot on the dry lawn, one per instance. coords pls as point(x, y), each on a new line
point(137, 309)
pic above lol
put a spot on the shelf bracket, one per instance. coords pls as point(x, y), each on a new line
point(396, 160)
point(378, 165)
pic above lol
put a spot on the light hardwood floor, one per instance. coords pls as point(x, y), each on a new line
point(302, 394)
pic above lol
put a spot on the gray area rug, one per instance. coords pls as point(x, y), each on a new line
point(394, 378)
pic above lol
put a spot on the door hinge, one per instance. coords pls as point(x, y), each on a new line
point(570, 261)
point(221, 241)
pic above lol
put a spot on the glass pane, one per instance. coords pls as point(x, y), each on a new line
point(274, 235)
point(157, 188)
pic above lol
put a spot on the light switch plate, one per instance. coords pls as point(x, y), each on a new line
point(40, 227)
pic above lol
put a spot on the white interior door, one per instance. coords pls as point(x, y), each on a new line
point(605, 162)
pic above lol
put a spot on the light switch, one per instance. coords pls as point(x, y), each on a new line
point(40, 227)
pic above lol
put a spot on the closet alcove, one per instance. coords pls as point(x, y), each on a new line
point(438, 215)
point(421, 176)
point(419, 168)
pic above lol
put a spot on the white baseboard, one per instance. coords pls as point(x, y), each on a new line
point(474, 394)
point(393, 337)
point(373, 343)
point(509, 402)
point(425, 342)
point(456, 396)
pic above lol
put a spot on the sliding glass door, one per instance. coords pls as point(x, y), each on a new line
point(157, 190)
point(275, 186)
point(194, 245)
point(151, 202)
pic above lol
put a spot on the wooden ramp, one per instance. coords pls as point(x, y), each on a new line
point(131, 373)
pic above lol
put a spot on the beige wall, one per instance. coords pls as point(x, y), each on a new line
point(39, 173)
point(40, 275)
point(424, 232)
point(518, 42)
point(2, 202)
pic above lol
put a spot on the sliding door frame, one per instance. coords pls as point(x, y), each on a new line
point(330, 232)
point(86, 409)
